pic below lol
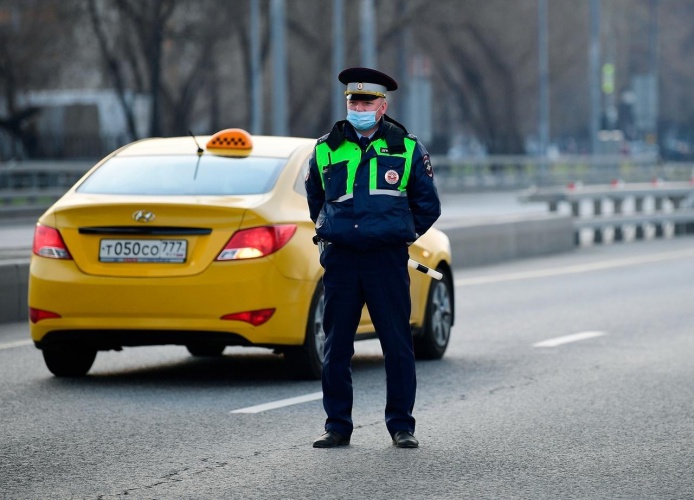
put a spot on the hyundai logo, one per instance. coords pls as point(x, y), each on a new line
point(143, 216)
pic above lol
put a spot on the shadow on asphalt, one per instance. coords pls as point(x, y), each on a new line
point(229, 370)
point(226, 382)
point(236, 371)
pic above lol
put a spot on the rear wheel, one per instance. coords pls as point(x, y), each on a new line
point(66, 361)
point(306, 361)
point(436, 332)
point(211, 349)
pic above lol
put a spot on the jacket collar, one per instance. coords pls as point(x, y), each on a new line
point(393, 133)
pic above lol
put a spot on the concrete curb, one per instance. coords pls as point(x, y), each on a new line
point(14, 282)
point(498, 239)
point(474, 243)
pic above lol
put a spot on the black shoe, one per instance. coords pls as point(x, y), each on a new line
point(405, 439)
point(330, 439)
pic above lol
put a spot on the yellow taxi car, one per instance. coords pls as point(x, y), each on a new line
point(166, 242)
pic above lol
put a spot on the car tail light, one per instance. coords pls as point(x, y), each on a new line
point(49, 243)
point(36, 315)
point(257, 242)
point(255, 318)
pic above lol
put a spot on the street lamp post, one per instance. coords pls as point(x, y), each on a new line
point(256, 75)
point(337, 98)
point(279, 55)
point(594, 74)
point(544, 78)
point(368, 34)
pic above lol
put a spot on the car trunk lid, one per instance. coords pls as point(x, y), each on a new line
point(171, 236)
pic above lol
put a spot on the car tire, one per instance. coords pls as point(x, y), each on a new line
point(436, 332)
point(209, 350)
point(65, 361)
point(306, 362)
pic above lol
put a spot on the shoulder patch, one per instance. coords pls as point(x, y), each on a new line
point(427, 166)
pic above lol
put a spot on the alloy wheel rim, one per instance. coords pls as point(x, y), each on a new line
point(441, 314)
point(318, 331)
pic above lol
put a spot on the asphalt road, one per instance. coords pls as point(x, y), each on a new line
point(567, 377)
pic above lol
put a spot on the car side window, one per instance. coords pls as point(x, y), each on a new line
point(300, 183)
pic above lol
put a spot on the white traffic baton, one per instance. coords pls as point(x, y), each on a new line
point(424, 269)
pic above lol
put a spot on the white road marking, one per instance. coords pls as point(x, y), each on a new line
point(281, 403)
point(19, 343)
point(579, 268)
point(568, 338)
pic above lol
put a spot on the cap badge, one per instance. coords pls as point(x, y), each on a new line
point(392, 177)
point(360, 86)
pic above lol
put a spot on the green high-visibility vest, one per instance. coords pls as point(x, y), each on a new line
point(351, 153)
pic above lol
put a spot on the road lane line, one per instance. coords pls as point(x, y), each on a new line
point(281, 403)
point(568, 338)
point(579, 268)
point(19, 343)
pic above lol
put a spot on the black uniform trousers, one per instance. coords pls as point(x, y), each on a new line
point(379, 279)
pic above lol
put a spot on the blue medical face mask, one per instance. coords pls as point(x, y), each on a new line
point(362, 120)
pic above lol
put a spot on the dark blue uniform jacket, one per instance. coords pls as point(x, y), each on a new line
point(369, 221)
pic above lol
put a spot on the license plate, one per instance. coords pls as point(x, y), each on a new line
point(112, 250)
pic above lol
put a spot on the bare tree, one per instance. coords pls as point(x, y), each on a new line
point(31, 41)
point(192, 59)
point(146, 22)
point(477, 69)
point(164, 48)
point(113, 65)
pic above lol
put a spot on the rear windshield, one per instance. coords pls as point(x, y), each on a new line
point(184, 175)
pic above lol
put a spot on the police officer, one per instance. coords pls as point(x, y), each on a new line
point(371, 194)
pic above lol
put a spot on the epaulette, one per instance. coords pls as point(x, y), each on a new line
point(412, 136)
point(322, 139)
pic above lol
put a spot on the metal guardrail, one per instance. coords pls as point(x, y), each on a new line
point(28, 203)
point(522, 172)
point(36, 175)
point(615, 193)
point(28, 188)
point(494, 173)
point(681, 222)
point(670, 209)
point(60, 146)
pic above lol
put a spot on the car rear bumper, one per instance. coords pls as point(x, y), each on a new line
point(117, 339)
point(112, 312)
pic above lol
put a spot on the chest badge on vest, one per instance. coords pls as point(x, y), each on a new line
point(392, 177)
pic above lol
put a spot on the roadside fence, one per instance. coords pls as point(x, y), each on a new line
point(620, 211)
point(497, 173)
point(29, 188)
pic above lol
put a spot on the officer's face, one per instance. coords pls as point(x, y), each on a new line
point(379, 105)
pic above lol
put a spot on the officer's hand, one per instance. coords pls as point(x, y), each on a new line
point(416, 237)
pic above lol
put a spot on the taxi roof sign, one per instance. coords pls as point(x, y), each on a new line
point(230, 142)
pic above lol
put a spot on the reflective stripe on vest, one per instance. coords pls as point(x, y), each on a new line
point(351, 153)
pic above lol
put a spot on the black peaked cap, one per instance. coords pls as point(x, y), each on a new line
point(352, 75)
